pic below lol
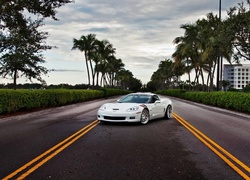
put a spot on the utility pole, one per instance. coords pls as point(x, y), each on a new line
point(219, 56)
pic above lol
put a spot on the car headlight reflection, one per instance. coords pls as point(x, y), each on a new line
point(135, 108)
point(103, 107)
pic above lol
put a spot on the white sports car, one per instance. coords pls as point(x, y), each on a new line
point(136, 107)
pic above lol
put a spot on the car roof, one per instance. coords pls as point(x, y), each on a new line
point(143, 93)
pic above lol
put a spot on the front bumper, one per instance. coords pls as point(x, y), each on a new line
point(118, 117)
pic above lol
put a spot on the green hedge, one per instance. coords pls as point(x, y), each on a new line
point(17, 100)
point(230, 100)
point(113, 92)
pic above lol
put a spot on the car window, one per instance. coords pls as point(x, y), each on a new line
point(135, 98)
point(126, 99)
point(142, 99)
point(154, 98)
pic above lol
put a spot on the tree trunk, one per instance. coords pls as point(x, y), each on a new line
point(189, 79)
point(87, 66)
point(15, 79)
point(97, 79)
point(202, 79)
point(92, 72)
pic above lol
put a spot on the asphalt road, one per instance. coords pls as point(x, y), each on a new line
point(199, 142)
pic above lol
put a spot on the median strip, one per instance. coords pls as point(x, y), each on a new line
point(218, 150)
point(46, 156)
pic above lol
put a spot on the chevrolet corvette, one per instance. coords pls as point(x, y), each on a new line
point(136, 107)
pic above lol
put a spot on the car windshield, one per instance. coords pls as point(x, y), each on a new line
point(135, 98)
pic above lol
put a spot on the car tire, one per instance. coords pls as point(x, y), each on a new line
point(168, 112)
point(144, 116)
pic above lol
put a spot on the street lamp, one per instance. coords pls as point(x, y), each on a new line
point(218, 61)
point(220, 9)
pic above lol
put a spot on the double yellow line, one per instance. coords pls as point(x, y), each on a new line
point(232, 161)
point(34, 164)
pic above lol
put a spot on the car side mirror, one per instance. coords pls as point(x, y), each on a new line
point(157, 101)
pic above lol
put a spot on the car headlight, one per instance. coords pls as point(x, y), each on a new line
point(103, 107)
point(135, 108)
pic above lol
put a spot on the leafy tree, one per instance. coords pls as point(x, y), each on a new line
point(238, 27)
point(126, 80)
point(21, 43)
point(12, 11)
point(164, 74)
point(135, 84)
point(124, 77)
point(158, 79)
point(21, 53)
point(225, 84)
point(247, 88)
point(152, 86)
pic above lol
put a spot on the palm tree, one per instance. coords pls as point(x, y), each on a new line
point(104, 52)
point(215, 44)
point(96, 58)
point(181, 57)
point(117, 65)
point(198, 48)
point(86, 44)
point(164, 74)
point(187, 48)
point(123, 77)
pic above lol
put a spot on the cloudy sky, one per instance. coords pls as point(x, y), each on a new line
point(142, 31)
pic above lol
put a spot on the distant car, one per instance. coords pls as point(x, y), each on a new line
point(136, 107)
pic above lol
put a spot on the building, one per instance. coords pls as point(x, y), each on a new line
point(238, 75)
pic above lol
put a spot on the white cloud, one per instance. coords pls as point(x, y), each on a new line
point(142, 32)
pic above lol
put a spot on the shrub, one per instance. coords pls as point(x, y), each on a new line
point(16, 100)
point(230, 100)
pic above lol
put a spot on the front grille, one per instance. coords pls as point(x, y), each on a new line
point(114, 118)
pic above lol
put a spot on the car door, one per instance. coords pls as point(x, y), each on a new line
point(157, 108)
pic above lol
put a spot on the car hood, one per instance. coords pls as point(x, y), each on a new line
point(120, 106)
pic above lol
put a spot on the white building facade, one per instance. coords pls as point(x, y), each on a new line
point(238, 75)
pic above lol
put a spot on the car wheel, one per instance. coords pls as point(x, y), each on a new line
point(168, 112)
point(144, 116)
